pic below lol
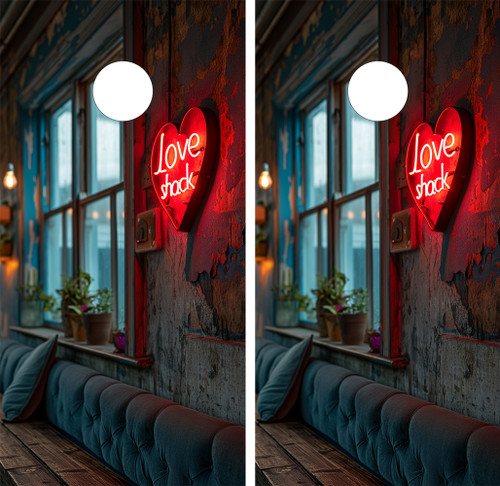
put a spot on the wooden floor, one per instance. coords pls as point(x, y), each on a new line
point(34, 453)
point(290, 453)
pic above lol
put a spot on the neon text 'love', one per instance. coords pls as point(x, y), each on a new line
point(429, 153)
point(168, 159)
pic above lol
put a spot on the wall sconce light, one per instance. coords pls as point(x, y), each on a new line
point(265, 180)
point(10, 179)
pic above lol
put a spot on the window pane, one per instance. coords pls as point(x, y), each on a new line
point(352, 243)
point(316, 156)
point(69, 241)
point(120, 241)
point(97, 243)
point(308, 255)
point(105, 169)
point(375, 202)
point(361, 157)
point(53, 254)
point(323, 250)
point(61, 171)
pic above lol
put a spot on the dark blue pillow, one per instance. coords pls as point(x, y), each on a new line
point(24, 394)
point(281, 390)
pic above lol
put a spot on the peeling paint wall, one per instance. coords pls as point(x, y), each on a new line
point(458, 271)
point(194, 52)
point(450, 286)
point(195, 286)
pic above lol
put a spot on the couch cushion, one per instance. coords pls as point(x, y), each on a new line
point(280, 393)
point(267, 356)
point(25, 392)
point(402, 438)
point(147, 439)
point(12, 355)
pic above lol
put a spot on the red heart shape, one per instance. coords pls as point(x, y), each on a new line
point(182, 164)
point(437, 165)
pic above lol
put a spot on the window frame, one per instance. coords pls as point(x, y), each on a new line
point(333, 89)
point(78, 91)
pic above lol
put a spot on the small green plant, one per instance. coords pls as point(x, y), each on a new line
point(330, 292)
point(260, 237)
point(290, 292)
point(5, 237)
point(101, 302)
point(35, 293)
point(75, 296)
point(356, 302)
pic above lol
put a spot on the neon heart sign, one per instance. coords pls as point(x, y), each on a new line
point(182, 164)
point(437, 164)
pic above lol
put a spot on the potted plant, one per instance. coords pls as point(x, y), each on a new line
point(352, 317)
point(98, 317)
point(260, 244)
point(5, 244)
point(330, 293)
point(75, 297)
point(374, 340)
point(290, 302)
point(119, 340)
point(34, 303)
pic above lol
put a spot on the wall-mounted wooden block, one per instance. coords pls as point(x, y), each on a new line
point(5, 214)
point(260, 215)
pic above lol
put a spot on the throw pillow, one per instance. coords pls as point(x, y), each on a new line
point(280, 393)
point(24, 394)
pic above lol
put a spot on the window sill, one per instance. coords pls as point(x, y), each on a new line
point(361, 351)
point(106, 351)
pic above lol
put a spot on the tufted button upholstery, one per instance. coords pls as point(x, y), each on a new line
point(147, 439)
point(402, 438)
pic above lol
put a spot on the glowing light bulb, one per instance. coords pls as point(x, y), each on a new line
point(10, 179)
point(265, 180)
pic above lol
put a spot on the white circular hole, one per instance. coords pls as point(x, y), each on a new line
point(123, 91)
point(378, 91)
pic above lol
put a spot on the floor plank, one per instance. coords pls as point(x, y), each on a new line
point(274, 466)
point(19, 467)
point(75, 466)
point(323, 461)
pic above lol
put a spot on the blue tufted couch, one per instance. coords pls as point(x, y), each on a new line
point(146, 439)
point(403, 439)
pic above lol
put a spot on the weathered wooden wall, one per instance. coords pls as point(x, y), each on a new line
point(195, 287)
point(450, 286)
point(195, 305)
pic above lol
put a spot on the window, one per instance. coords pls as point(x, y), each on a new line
point(58, 220)
point(84, 221)
point(313, 217)
point(338, 212)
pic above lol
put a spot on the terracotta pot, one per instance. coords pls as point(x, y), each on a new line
point(5, 215)
point(6, 249)
point(31, 313)
point(323, 330)
point(287, 314)
point(68, 330)
point(353, 328)
point(333, 327)
point(78, 330)
point(98, 328)
point(261, 249)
